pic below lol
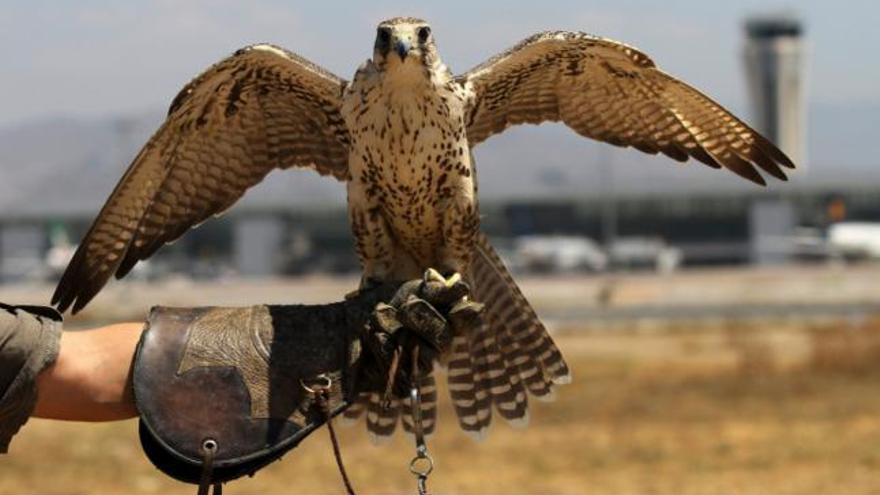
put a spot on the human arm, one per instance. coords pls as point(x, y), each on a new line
point(86, 375)
point(47, 373)
point(90, 379)
point(29, 339)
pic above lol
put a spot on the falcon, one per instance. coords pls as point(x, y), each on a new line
point(400, 135)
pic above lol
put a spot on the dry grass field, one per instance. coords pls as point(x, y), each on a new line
point(770, 408)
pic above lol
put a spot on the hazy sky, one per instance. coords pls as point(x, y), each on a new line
point(99, 57)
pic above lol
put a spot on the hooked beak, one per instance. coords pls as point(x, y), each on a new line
point(402, 48)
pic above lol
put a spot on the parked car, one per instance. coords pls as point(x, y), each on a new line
point(855, 240)
point(558, 253)
point(644, 252)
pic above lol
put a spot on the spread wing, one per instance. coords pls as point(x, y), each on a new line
point(612, 92)
point(259, 109)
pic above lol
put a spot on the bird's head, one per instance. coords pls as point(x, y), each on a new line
point(404, 42)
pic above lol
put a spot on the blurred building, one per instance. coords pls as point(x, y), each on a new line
point(707, 228)
point(774, 62)
point(774, 69)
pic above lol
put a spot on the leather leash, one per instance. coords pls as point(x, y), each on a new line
point(421, 465)
point(209, 449)
point(321, 393)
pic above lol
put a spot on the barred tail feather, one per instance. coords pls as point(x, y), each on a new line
point(523, 349)
point(511, 308)
point(382, 421)
point(516, 359)
point(473, 416)
point(494, 382)
point(355, 410)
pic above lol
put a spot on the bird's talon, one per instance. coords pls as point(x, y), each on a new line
point(432, 275)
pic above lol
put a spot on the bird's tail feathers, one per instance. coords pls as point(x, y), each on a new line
point(510, 357)
point(512, 353)
point(382, 421)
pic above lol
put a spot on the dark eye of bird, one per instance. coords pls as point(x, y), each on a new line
point(424, 32)
point(384, 35)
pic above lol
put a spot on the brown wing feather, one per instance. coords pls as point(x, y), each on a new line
point(259, 109)
point(612, 92)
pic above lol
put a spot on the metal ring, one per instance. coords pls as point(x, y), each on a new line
point(209, 445)
point(326, 385)
point(414, 465)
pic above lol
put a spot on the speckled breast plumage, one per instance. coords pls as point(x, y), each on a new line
point(410, 164)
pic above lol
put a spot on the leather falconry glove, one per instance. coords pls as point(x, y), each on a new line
point(225, 391)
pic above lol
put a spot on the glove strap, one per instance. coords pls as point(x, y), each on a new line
point(321, 393)
point(209, 448)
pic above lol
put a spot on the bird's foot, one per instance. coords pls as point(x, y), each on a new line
point(443, 290)
point(451, 294)
point(432, 275)
point(423, 314)
point(406, 338)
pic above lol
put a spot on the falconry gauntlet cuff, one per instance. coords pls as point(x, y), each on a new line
point(243, 381)
point(236, 378)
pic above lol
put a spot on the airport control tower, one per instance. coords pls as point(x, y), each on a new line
point(774, 70)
